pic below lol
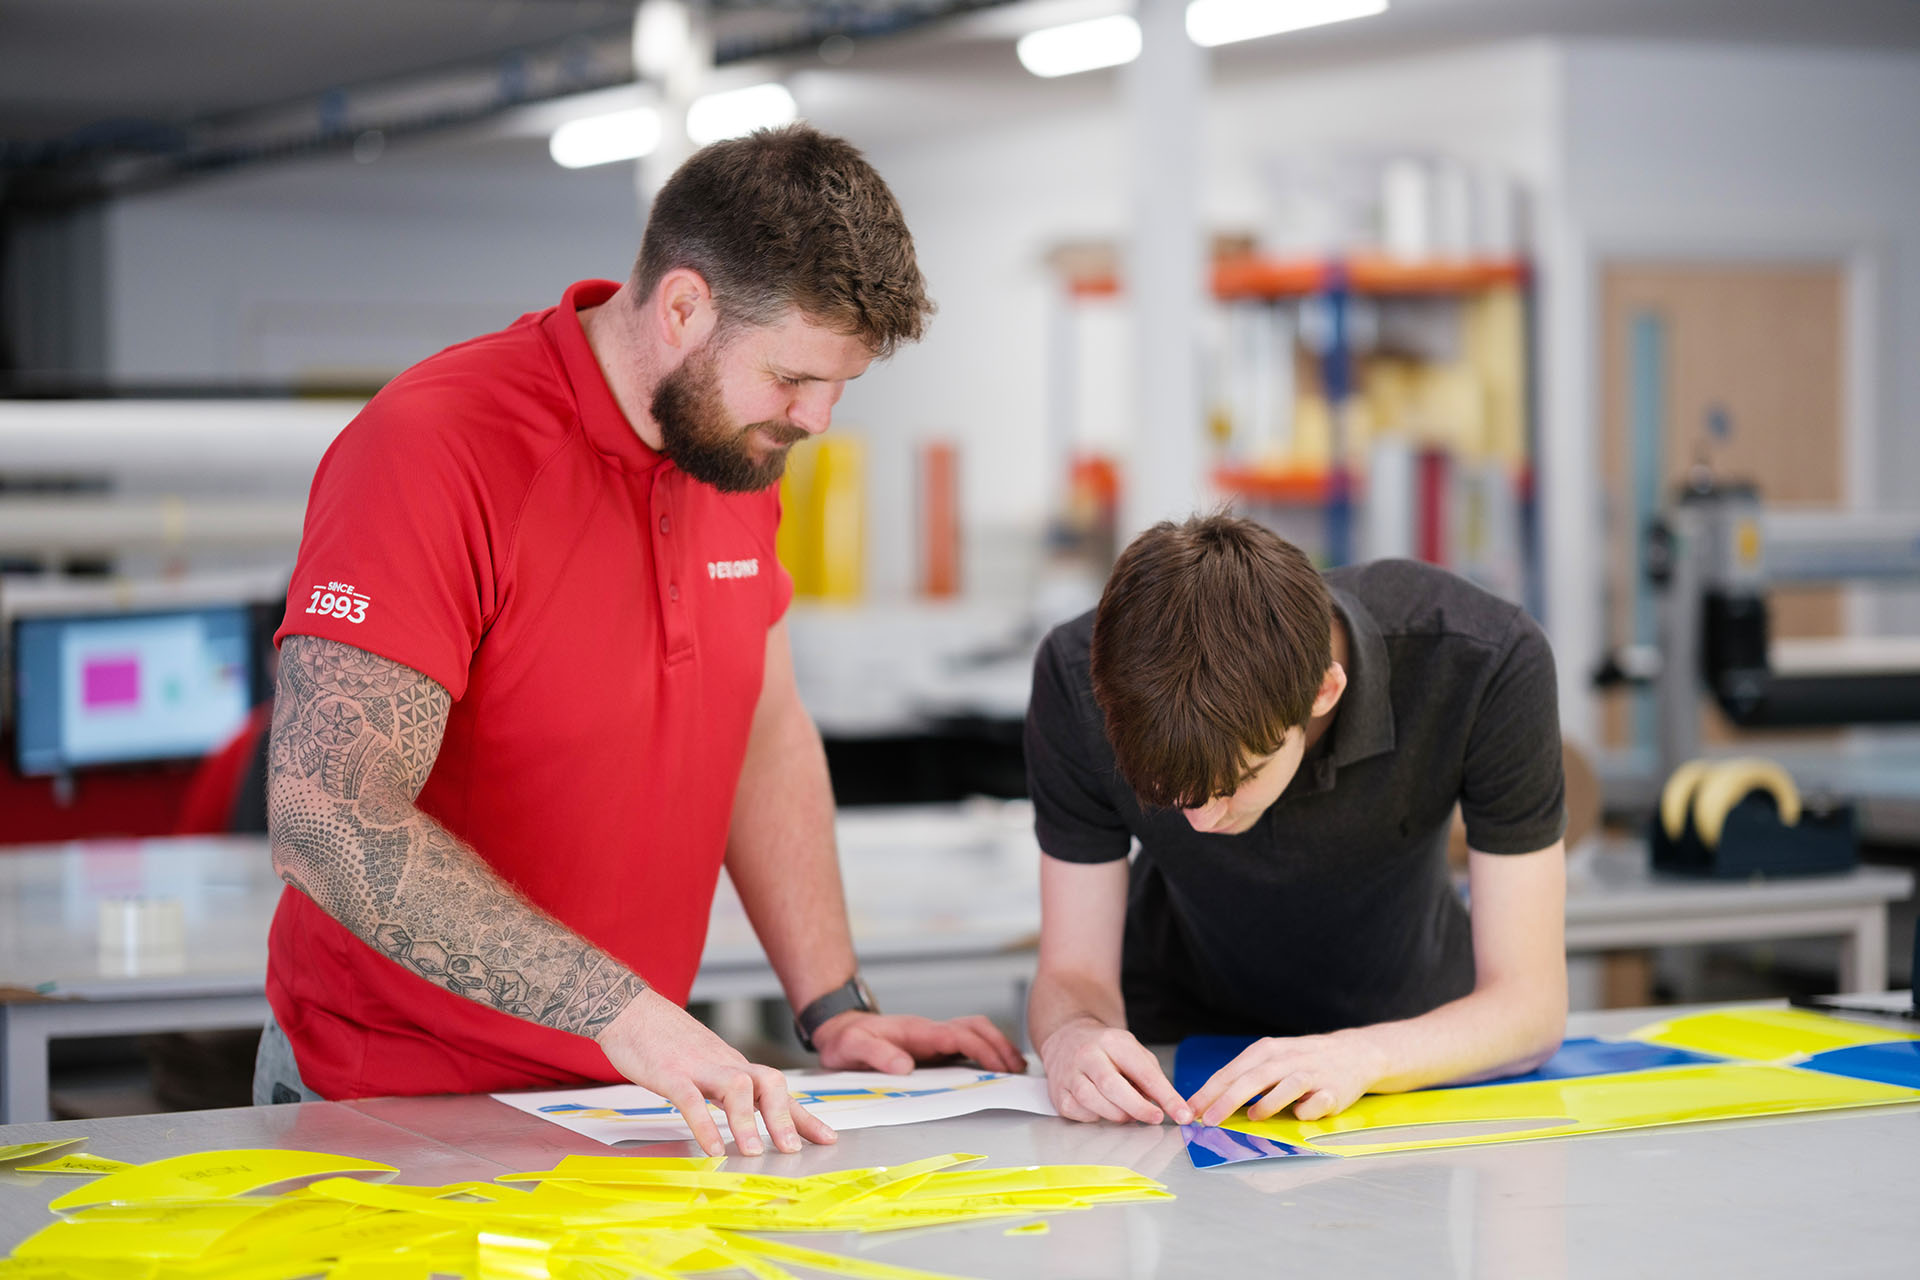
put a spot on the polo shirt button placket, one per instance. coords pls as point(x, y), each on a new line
point(678, 630)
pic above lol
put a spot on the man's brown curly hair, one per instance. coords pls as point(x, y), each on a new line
point(789, 218)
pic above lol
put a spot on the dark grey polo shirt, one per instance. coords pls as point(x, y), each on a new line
point(1336, 908)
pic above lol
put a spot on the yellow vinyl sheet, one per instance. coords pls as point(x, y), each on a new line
point(1765, 1035)
point(656, 1219)
point(10, 1151)
point(618, 1168)
point(207, 1175)
point(1591, 1104)
point(78, 1162)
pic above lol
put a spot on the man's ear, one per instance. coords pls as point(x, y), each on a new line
point(1332, 685)
point(682, 309)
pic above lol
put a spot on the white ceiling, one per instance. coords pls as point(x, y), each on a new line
point(70, 64)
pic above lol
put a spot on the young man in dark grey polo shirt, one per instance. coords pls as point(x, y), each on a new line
point(1287, 749)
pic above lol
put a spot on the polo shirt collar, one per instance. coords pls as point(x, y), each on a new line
point(1364, 726)
point(601, 418)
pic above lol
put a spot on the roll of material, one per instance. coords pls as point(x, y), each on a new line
point(1707, 790)
point(1676, 798)
point(1731, 781)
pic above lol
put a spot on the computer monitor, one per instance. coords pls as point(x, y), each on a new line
point(114, 688)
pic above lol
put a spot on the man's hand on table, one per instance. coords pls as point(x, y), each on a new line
point(857, 1040)
point(1317, 1076)
point(1098, 1072)
point(660, 1046)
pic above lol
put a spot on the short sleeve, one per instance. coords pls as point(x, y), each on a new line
point(1513, 793)
point(396, 554)
point(781, 589)
point(1073, 819)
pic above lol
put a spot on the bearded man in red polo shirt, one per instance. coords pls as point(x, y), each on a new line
point(535, 686)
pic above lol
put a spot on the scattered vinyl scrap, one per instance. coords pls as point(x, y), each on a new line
point(212, 1216)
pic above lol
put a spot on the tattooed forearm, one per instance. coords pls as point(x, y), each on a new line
point(354, 738)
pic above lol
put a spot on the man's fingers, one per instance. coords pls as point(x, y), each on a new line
point(1203, 1099)
point(1139, 1065)
point(972, 1043)
point(770, 1094)
point(1000, 1052)
point(1288, 1090)
point(879, 1053)
point(1088, 1095)
point(812, 1127)
point(692, 1106)
point(736, 1099)
point(1204, 1102)
point(1234, 1095)
point(1317, 1105)
point(1115, 1088)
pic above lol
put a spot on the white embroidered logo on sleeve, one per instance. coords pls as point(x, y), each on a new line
point(339, 600)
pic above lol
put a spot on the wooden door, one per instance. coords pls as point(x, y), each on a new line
point(1750, 368)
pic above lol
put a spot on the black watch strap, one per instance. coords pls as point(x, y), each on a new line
point(851, 994)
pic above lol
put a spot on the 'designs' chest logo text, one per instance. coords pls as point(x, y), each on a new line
point(339, 600)
point(733, 568)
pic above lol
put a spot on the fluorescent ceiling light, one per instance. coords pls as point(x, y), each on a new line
point(1212, 22)
point(1080, 46)
point(618, 135)
point(740, 111)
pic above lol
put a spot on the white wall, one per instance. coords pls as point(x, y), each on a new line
point(321, 266)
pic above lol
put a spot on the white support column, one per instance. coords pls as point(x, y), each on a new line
point(673, 48)
point(1166, 267)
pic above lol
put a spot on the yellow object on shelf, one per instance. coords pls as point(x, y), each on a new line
point(822, 538)
point(1496, 348)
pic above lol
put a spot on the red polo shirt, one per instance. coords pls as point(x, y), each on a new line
point(600, 619)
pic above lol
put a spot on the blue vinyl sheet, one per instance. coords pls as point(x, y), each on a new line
point(1209, 1148)
point(1894, 1062)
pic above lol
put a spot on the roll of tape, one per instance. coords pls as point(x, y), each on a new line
point(1677, 796)
point(1729, 782)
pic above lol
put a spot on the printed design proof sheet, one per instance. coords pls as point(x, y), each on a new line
point(844, 1099)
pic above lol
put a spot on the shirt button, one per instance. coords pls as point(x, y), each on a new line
point(673, 592)
point(666, 526)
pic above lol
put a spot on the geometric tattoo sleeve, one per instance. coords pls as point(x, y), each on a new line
point(354, 738)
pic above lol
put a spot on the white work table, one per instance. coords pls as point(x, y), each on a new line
point(938, 896)
point(1825, 1195)
point(1615, 901)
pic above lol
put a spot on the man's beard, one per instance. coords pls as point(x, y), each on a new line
point(702, 441)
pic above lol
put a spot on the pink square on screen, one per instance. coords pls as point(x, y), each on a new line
point(110, 682)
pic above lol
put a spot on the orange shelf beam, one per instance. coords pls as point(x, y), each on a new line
point(1271, 278)
point(1268, 484)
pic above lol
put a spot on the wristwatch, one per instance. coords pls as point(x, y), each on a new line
point(851, 994)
